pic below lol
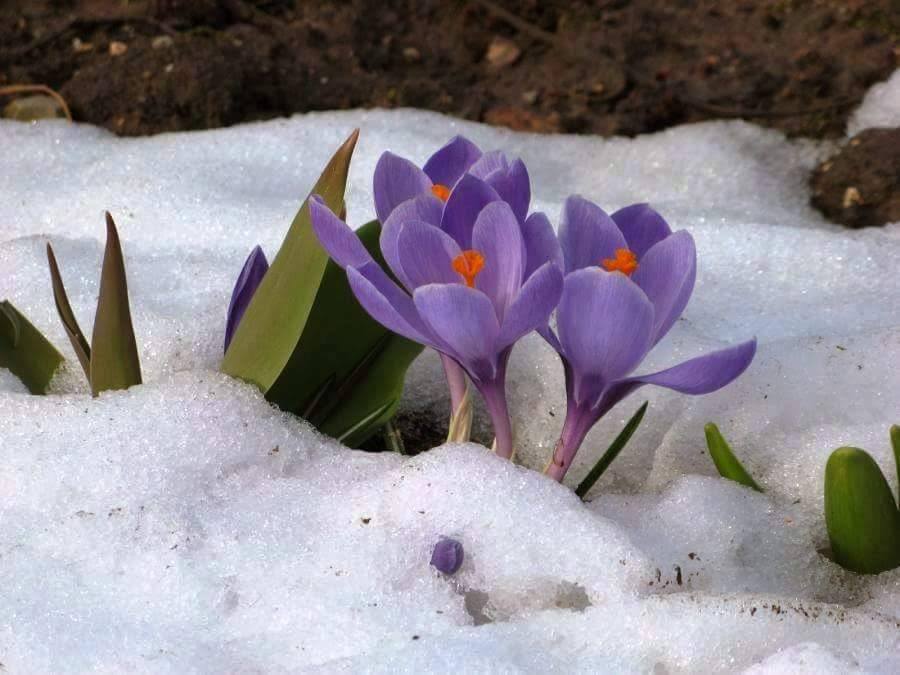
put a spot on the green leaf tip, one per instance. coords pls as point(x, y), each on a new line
point(612, 452)
point(111, 360)
point(114, 355)
point(67, 316)
point(25, 351)
point(270, 329)
point(727, 464)
point(860, 513)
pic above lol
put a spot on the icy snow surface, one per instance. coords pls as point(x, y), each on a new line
point(185, 526)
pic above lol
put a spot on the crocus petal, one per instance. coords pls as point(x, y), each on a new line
point(605, 326)
point(666, 274)
point(427, 254)
point(425, 208)
point(498, 238)
point(642, 227)
point(396, 180)
point(449, 163)
point(513, 186)
point(336, 237)
point(464, 319)
point(587, 234)
point(700, 375)
point(541, 244)
point(466, 201)
point(489, 162)
point(532, 307)
point(255, 268)
point(387, 303)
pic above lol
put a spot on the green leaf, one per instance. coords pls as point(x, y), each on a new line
point(346, 365)
point(612, 452)
point(270, 330)
point(895, 444)
point(25, 351)
point(860, 513)
point(726, 463)
point(114, 355)
point(67, 316)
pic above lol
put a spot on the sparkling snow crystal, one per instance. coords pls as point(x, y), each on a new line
point(187, 526)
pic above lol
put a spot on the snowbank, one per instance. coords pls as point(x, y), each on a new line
point(186, 526)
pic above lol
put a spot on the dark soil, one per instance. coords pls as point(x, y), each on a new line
point(860, 186)
point(602, 67)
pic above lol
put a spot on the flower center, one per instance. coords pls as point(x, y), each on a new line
point(624, 262)
point(442, 192)
point(468, 264)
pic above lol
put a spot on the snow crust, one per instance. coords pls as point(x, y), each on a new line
point(185, 526)
point(880, 107)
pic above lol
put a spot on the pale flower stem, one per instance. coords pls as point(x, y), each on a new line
point(495, 401)
point(460, 427)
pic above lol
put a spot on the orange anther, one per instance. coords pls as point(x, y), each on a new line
point(624, 262)
point(442, 192)
point(468, 264)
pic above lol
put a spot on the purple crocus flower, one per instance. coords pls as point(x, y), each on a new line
point(628, 279)
point(470, 303)
point(448, 556)
point(449, 191)
point(255, 268)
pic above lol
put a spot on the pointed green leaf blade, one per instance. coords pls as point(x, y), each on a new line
point(612, 452)
point(67, 316)
point(341, 344)
point(114, 355)
point(860, 513)
point(270, 329)
point(726, 463)
point(25, 351)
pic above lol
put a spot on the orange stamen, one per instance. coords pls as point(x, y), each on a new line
point(468, 264)
point(624, 262)
point(442, 192)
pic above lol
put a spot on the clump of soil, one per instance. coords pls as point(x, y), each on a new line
point(860, 186)
point(608, 67)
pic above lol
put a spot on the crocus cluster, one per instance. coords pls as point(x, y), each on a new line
point(471, 267)
point(471, 272)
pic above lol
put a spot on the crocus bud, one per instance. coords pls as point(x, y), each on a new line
point(251, 277)
point(448, 555)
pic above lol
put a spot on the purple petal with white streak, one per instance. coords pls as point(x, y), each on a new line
point(642, 227)
point(396, 180)
point(336, 237)
point(464, 319)
point(387, 303)
point(605, 327)
point(541, 243)
point(498, 238)
point(513, 186)
point(587, 235)
point(466, 201)
point(426, 208)
point(666, 274)
point(426, 255)
point(449, 163)
point(532, 307)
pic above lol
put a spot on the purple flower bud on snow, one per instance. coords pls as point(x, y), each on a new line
point(251, 276)
point(448, 556)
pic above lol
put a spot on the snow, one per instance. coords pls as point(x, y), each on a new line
point(880, 107)
point(185, 526)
